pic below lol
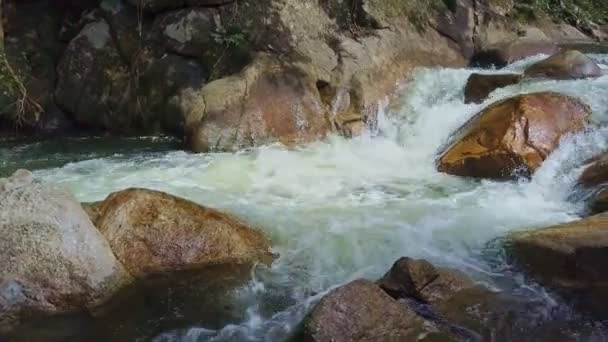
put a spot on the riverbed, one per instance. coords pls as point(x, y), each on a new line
point(339, 209)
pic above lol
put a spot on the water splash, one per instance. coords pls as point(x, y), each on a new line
point(341, 209)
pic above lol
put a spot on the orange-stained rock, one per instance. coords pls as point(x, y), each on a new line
point(570, 64)
point(152, 232)
point(513, 135)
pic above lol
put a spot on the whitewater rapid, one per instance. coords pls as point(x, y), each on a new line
point(341, 209)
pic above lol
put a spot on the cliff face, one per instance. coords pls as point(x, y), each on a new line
point(232, 74)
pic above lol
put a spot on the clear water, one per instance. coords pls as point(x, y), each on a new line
point(341, 209)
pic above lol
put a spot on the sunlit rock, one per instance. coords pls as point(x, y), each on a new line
point(513, 136)
point(570, 64)
point(570, 256)
point(151, 232)
point(52, 259)
point(360, 311)
point(268, 101)
point(480, 86)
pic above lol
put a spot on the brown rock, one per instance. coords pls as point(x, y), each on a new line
point(595, 172)
point(422, 281)
point(52, 259)
point(572, 255)
point(570, 64)
point(268, 102)
point(360, 311)
point(594, 180)
point(513, 135)
point(152, 232)
point(479, 86)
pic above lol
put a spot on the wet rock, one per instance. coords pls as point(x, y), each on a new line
point(512, 136)
point(567, 256)
point(594, 181)
point(269, 101)
point(360, 311)
point(422, 281)
point(480, 86)
point(151, 232)
point(505, 53)
point(595, 172)
point(53, 260)
point(570, 64)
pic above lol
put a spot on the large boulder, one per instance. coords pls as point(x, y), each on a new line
point(570, 64)
point(480, 86)
point(53, 260)
point(93, 80)
point(109, 78)
point(421, 302)
point(269, 101)
point(512, 136)
point(190, 31)
point(504, 53)
point(569, 256)
point(152, 232)
point(360, 311)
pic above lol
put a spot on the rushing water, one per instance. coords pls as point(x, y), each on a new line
point(341, 209)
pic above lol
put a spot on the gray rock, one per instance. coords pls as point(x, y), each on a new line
point(52, 259)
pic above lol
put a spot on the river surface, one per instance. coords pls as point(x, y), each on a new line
point(341, 209)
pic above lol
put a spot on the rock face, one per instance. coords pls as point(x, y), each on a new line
point(269, 101)
point(505, 53)
point(152, 232)
point(570, 64)
point(571, 255)
point(513, 135)
point(479, 86)
point(360, 311)
point(420, 302)
point(53, 260)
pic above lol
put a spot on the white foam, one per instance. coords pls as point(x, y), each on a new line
point(343, 208)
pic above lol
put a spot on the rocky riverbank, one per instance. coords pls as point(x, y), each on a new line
point(234, 74)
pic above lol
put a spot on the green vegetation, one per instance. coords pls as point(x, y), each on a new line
point(572, 11)
point(15, 103)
